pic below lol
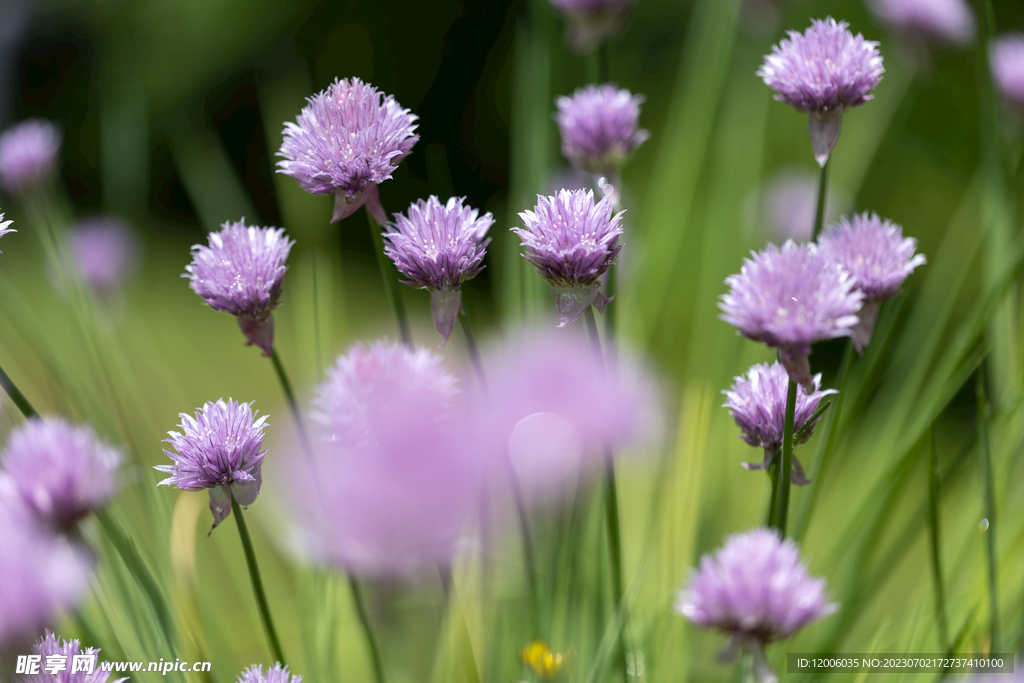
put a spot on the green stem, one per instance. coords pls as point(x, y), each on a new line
point(787, 461)
point(773, 508)
point(529, 558)
point(935, 527)
point(257, 583)
point(390, 277)
point(130, 556)
point(15, 393)
point(473, 350)
point(611, 506)
point(990, 509)
point(828, 446)
point(819, 212)
point(289, 394)
point(451, 596)
point(364, 620)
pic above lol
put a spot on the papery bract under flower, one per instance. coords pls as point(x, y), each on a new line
point(219, 449)
point(756, 589)
point(349, 138)
point(877, 257)
point(241, 273)
point(104, 251)
point(757, 401)
point(275, 674)
point(945, 21)
point(823, 72)
point(572, 241)
point(61, 471)
point(50, 645)
point(598, 125)
point(438, 247)
point(40, 574)
point(393, 475)
point(593, 21)
point(790, 298)
point(1006, 59)
point(28, 155)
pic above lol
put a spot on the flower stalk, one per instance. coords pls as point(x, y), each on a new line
point(782, 517)
point(364, 621)
point(257, 583)
point(387, 273)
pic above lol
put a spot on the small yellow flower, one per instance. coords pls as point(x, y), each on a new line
point(544, 662)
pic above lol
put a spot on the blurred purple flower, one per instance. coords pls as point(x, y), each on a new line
point(49, 645)
point(598, 125)
point(61, 471)
point(438, 247)
point(241, 273)
point(944, 21)
point(1006, 58)
point(105, 252)
point(756, 589)
point(572, 243)
point(393, 477)
point(28, 155)
point(757, 401)
point(277, 674)
point(592, 21)
point(878, 258)
point(40, 574)
point(823, 72)
point(790, 298)
point(788, 202)
point(218, 450)
point(347, 140)
point(552, 409)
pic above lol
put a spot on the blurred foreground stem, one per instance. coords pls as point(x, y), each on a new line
point(451, 598)
point(364, 620)
point(15, 393)
point(387, 273)
point(611, 505)
point(257, 583)
point(990, 509)
point(787, 461)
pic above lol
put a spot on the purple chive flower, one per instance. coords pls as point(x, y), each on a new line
point(756, 589)
point(64, 652)
point(241, 273)
point(219, 450)
point(757, 401)
point(790, 298)
point(592, 21)
point(347, 140)
point(438, 247)
point(599, 127)
point(572, 242)
point(393, 476)
point(552, 409)
point(40, 574)
point(277, 674)
point(104, 251)
point(823, 72)
point(1006, 58)
point(878, 259)
point(28, 155)
point(61, 471)
point(945, 21)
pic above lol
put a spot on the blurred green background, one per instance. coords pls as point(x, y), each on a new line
point(172, 112)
